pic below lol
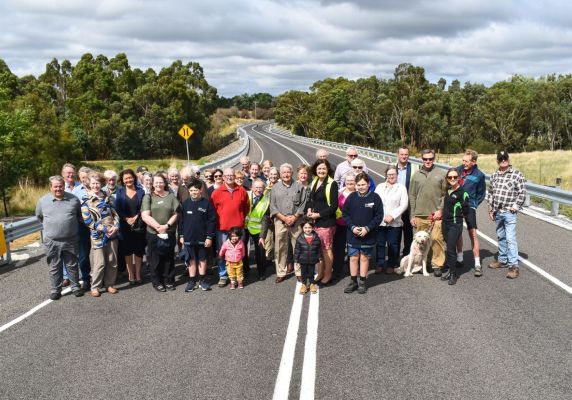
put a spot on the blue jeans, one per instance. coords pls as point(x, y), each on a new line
point(84, 248)
point(388, 235)
point(506, 233)
point(221, 237)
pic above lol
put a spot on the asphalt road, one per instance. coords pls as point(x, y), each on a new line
point(408, 338)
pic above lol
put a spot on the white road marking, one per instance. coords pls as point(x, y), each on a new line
point(533, 267)
point(261, 151)
point(32, 311)
point(283, 145)
point(307, 388)
point(282, 386)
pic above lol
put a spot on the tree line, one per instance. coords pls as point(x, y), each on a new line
point(519, 114)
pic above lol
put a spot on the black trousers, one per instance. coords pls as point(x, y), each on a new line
point(407, 233)
point(246, 259)
point(161, 265)
point(259, 255)
point(339, 249)
point(451, 233)
point(307, 272)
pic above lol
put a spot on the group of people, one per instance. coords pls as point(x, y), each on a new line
point(307, 220)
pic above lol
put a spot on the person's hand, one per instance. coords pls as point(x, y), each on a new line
point(261, 242)
point(414, 222)
point(297, 265)
point(388, 218)
point(162, 229)
point(131, 220)
point(208, 243)
point(111, 231)
point(357, 231)
point(182, 241)
point(513, 210)
point(437, 215)
point(363, 232)
point(314, 215)
point(492, 215)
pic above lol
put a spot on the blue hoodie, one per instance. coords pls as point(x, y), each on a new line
point(474, 184)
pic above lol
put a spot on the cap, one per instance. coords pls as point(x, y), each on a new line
point(502, 155)
point(141, 169)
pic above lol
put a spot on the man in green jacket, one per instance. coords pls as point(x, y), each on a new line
point(426, 192)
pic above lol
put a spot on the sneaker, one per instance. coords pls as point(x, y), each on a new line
point(160, 288)
point(352, 287)
point(497, 264)
point(190, 287)
point(452, 279)
point(78, 293)
point(512, 273)
point(232, 285)
point(459, 264)
point(362, 289)
point(170, 286)
point(55, 296)
point(445, 277)
point(478, 270)
point(303, 289)
point(222, 282)
point(313, 288)
point(204, 285)
point(241, 285)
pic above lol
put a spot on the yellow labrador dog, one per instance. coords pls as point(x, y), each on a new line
point(417, 258)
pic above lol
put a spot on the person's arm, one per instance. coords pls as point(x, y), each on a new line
point(223, 249)
point(39, 212)
point(346, 213)
point(211, 223)
point(148, 218)
point(87, 217)
point(297, 251)
point(403, 203)
point(481, 189)
point(412, 197)
point(330, 211)
point(465, 205)
point(521, 193)
point(378, 216)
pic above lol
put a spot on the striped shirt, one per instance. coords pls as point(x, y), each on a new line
point(506, 190)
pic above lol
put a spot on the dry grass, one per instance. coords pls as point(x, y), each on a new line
point(541, 167)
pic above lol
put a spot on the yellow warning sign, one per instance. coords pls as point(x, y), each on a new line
point(2, 241)
point(185, 132)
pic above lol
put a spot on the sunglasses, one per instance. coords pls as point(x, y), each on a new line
point(502, 159)
point(428, 159)
point(358, 167)
point(453, 177)
point(208, 176)
point(352, 155)
point(218, 176)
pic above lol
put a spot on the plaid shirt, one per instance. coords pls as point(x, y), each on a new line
point(506, 190)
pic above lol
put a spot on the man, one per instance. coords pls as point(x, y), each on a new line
point(472, 181)
point(505, 197)
point(253, 174)
point(287, 203)
point(322, 154)
point(60, 215)
point(345, 167)
point(426, 193)
point(245, 165)
point(405, 170)
point(231, 205)
point(80, 191)
point(68, 173)
point(140, 172)
point(259, 209)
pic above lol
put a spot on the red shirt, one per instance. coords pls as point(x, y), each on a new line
point(231, 207)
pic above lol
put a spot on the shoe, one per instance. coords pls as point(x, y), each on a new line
point(352, 287)
point(379, 270)
point(453, 279)
point(497, 264)
point(190, 287)
point(132, 283)
point(241, 285)
point(279, 279)
point(445, 277)
point(299, 278)
point(78, 293)
point(95, 293)
point(65, 282)
point(262, 278)
point(160, 288)
point(204, 285)
point(389, 270)
point(362, 289)
point(112, 290)
point(512, 273)
point(139, 281)
point(460, 264)
point(170, 286)
point(437, 272)
point(303, 289)
point(478, 270)
point(55, 296)
point(222, 282)
point(232, 285)
point(313, 288)
point(86, 286)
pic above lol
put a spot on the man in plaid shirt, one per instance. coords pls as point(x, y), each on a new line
point(505, 198)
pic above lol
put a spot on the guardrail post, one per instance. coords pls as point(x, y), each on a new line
point(555, 204)
point(527, 200)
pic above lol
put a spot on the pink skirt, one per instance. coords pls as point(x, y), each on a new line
point(326, 236)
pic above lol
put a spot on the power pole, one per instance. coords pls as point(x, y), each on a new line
point(255, 109)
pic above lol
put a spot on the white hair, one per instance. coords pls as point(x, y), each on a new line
point(110, 174)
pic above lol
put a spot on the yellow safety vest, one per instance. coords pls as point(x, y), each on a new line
point(329, 182)
point(254, 217)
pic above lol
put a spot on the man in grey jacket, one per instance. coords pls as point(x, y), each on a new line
point(60, 214)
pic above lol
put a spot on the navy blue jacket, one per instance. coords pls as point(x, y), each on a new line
point(474, 185)
point(363, 211)
point(197, 221)
point(120, 200)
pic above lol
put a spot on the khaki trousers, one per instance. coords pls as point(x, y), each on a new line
point(282, 234)
point(437, 241)
point(104, 266)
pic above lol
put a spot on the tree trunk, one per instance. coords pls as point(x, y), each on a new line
point(5, 201)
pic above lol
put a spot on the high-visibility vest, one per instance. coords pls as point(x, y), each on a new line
point(329, 182)
point(254, 217)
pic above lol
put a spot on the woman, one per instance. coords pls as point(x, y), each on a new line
point(159, 212)
point(273, 176)
point(363, 212)
point(128, 206)
point(455, 210)
point(174, 180)
point(395, 202)
point(147, 182)
point(266, 165)
point(209, 180)
point(321, 207)
point(217, 177)
point(103, 223)
point(239, 178)
point(340, 235)
point(267, 233)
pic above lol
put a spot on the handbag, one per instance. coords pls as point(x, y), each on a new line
point(138, 226)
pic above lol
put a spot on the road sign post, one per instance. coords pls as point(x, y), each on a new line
point(186, 133)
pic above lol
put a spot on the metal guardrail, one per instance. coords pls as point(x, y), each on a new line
point(555, 195)
point(16, 230)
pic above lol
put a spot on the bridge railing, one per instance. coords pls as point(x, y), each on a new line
point(19, 229)
point(555, 195)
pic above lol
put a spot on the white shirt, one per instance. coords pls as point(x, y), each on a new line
point(395, 202)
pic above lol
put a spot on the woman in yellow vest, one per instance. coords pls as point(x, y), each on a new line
point(259, 210)
point(322, 207)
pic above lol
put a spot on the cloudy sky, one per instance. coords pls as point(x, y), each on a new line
point(273, 46)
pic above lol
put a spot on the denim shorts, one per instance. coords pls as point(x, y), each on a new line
point(354, 250)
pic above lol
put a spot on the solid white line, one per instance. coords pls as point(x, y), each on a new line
point(32, 311)
point(533, 267)
point(261, 151)
point(282, 386)
point(307, 388)
point(283, 145)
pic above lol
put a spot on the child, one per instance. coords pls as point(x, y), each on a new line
point(233, 251)
point(197, 227)
point(307, 253)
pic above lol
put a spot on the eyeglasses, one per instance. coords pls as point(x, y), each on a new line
point(238, 179)
point(356, 167)
point(450, 177)
point(352, 155)
point(502, 159)
point(208, 176)
point(217, 176)
point(428, 159)
point(229, 176)
point(390, 174)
